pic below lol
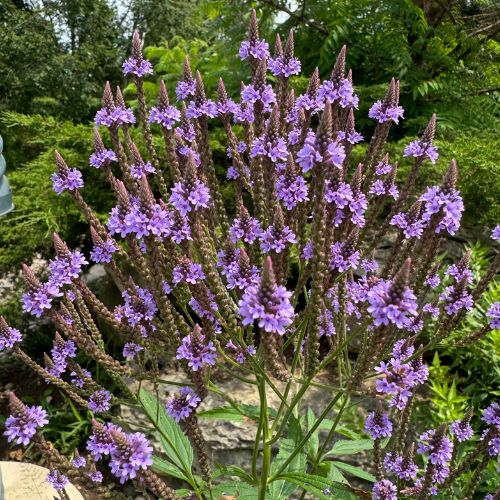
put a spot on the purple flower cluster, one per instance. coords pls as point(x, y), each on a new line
point(399, 377)
point(388, 305)
point(138, 309)
point(100, 401)
point(462, 430)
point(403, 467)
point(267, 303)
point(493, 314)
point(187, 272)
point(62, 350)
point(102, 158)
point(186, 198)
point(245, 228)
point(114, 117)
point(130, 350)
point(378, 425)
point(57, 480)
point(309, 154)
point(196, 351)
point(256, 49)
point(384, 490)
point(8, 336)
point(103, 251)
point(130, 453)
point(137, 170)
point(448, 206)
point(137, 66)
point(382, 112)
point(438, 449)
point(284, 66)
point(422, 150)
point(276, 238)
point(24, 421)
point(343, 256)
point(67, 180)
point(165, 116)
point(180, 405)
point(340, 91)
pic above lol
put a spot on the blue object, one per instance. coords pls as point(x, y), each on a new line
point(6, 204)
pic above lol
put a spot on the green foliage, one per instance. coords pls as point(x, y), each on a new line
point(29, 149)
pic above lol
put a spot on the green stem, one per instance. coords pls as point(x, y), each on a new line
point(306, 437)
point(332, 430)
point(266, 455)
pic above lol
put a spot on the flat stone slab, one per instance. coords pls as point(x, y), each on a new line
point(22, 481)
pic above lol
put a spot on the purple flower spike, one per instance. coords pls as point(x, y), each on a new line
point(420, 149)
point(100, 401)
point(393, 302)
point(196, 351)
point(23, 421)
point(378, 425)
point(493, 314)
point(8, 336)
point(179, 406)
point(491, 415)
point(57, 480)
point(267, 303)
point(69, 180)
point(495, 234)
point(102, 158)
point(129, 454)
point(103, 252)
point(384, 113)
point(130, 350)
point(384, 490)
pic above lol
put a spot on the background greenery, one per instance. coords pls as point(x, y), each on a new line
point(56, 56)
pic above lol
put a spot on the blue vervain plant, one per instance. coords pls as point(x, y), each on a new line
point(290, 287)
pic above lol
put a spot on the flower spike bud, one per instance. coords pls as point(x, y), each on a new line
point(122, 195)
point(415, 212)
point(253, 29)
point(96, 239)
point(60, 163)
point(351, 241)
point(290, 46)
point(350, 122)
point(278, 47)
point(120, 101)
point(339, 66)
point(4, 326)
point(397, 92)
point(187, 74)
point(259, 79)
point(199, 94)
point(107, 98)
point(325, 130)
point(190, 174)
point(221, 91)
point(312, 88)
point(60, 246)
point(30, 278)
point(145, 191)
point(163, 101)
point(349, 76)
point(98, 144)
point(449, 183)
point(268, 280)
point(16, 406)
point(137, 47)
point(136, 155)
point(273, 125)
point(390, 97)
point(430, 130)
point(401, 280)
point(357, 179)
point(391, 177)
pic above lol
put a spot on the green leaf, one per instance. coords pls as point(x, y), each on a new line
point(280, 489)
point(238, 489)
point(232, 470)
point(344, 447)
point(355, 471)
point(314, 439)
point(162, 466)
point(175, 444)
point(334, 474)
point(317, 484)
point(223, 413)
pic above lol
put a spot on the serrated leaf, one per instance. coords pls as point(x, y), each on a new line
point(314, 439)
point(318, 484)
point(344, 447)
point(282, 489)
point(355, 471)
point(175, 444)
point(223, 413)
point(232, 470)
point(162, 466)
point(335, 475)
point(237, 489)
